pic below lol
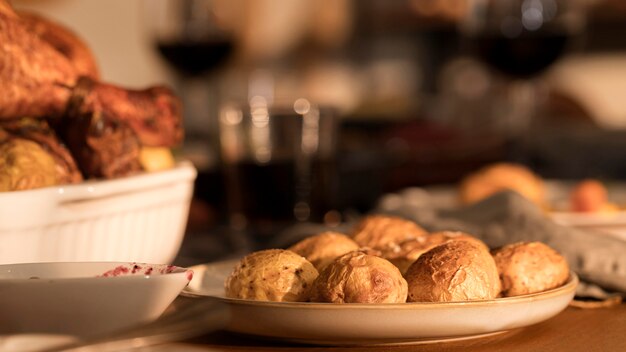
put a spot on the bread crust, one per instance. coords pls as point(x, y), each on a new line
point(529, 267)
point(406, 253)
point(357, 277)
point(453, 271)
point(499, 177)
point(380, 231)
point(323, 248)
point(272, 275)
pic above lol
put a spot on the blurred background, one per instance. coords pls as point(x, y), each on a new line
point(386, 94)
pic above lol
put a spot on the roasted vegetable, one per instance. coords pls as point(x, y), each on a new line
point(40, 132)
point(25, 165)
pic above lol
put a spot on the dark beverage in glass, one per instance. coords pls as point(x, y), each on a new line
point(279, 167)
point(267, 194)
point(522, 38)
point(522, 56)
point(262, 191)
point(195, 57)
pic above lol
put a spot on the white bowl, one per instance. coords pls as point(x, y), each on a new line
point(139, 218)
point(85, 299)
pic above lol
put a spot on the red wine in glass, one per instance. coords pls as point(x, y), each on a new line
point(522, 38)
point(523, 56)
point(195, 57)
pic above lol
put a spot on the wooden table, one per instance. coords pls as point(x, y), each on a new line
point(601, 329)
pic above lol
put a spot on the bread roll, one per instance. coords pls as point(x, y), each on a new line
point(380, 231)
point(453, 271)
point(323, 248)
point(357, 277)
point(499, 177)
point(272, 275)
point(406, 253)
point(528, 267)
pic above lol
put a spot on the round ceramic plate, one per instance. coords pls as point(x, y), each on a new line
point(359, 324)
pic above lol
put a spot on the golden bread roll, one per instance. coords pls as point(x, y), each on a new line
point(499, 177)
point(357, 277)
point(453, 271)
point(323, 248)
point(404, 254)
point(528, 267)
point(24, 165)
point(380, 231)
point(447, 236)
point(271, 275)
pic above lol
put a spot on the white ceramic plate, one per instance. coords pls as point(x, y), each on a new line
point(358, 324)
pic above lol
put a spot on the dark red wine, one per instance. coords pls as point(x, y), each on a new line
point(195, 57)
point(264, 191)
point(523, 56)
point(268, 193)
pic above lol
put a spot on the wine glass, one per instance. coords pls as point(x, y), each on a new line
point(195, 38)
point(189, 34)
point(520, 40)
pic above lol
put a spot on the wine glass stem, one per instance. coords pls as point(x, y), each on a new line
point(200, 101)
point(525, 104)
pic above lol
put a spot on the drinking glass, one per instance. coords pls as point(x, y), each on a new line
point(279, 164)
point(520, 40)
point(195, 38)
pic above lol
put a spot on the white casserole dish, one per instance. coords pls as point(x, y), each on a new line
point(139, 218)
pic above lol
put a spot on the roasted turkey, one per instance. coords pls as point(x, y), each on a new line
point(47, 72)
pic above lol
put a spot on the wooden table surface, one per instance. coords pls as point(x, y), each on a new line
point(575, 329)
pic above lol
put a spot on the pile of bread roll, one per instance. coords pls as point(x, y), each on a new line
point(392, 260)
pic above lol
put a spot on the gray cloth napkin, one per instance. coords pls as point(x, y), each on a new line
point(598, 259)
